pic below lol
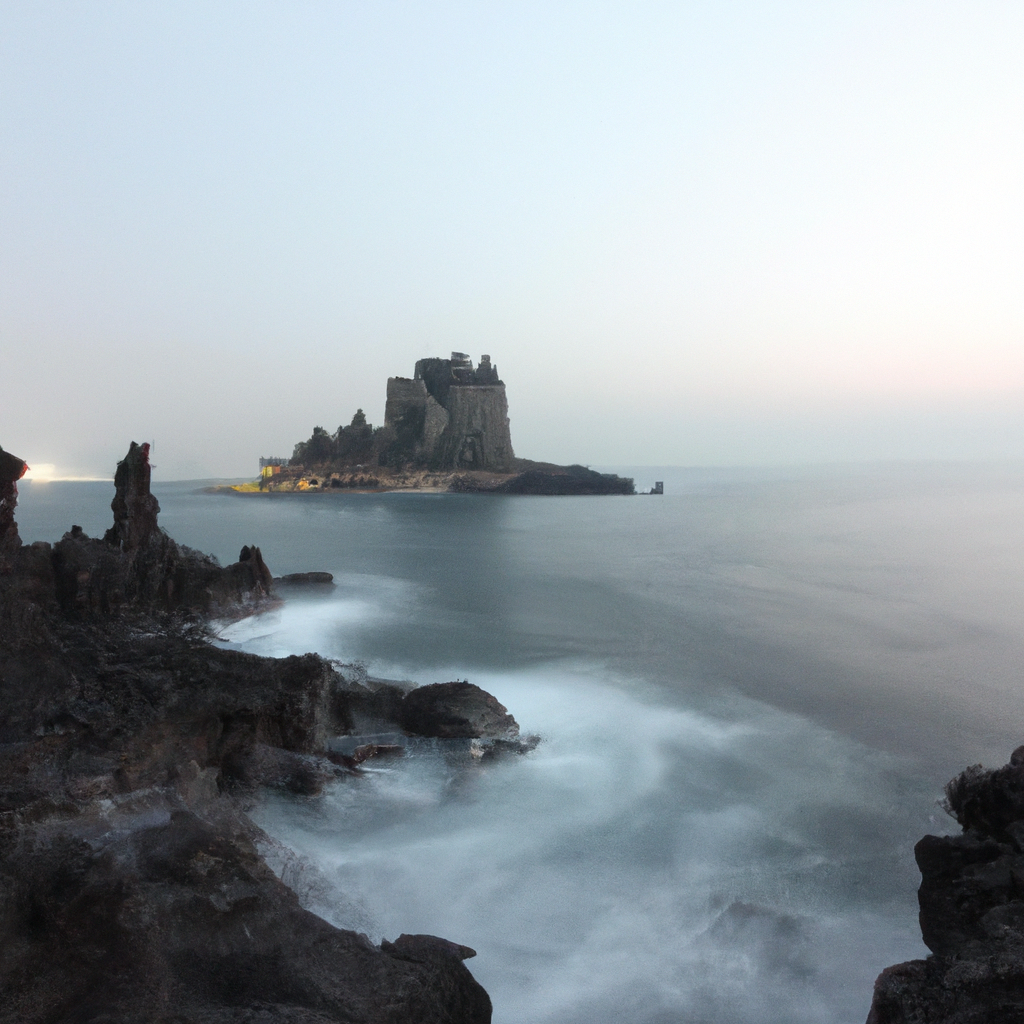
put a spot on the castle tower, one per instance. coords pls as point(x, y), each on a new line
point(457, 415)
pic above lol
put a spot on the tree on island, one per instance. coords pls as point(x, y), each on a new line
point(317, 450)
point(357, 443)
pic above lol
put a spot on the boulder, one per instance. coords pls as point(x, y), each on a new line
point(306, 579)
point(456, 710)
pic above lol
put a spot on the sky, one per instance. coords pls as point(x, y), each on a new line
point(687, 233)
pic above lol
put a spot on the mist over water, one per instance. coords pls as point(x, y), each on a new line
point(644, 863)
point(750, 693)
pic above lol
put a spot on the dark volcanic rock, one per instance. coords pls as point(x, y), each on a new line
point(184, 921)
point(301, 579)
point(551, 480)
point(134, 507)
point(455, 710)
point(137, 566)
point(972, 912)
point(110, 710)
point(367, 750)
point(12, 469)
point(130, 888)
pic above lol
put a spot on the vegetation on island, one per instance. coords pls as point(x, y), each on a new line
point(359, 444)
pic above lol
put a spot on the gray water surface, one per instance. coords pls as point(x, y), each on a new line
point(750, 693)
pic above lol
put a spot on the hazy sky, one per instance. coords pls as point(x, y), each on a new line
point(687, 233)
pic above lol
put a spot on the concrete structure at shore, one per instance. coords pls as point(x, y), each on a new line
point(452, 416)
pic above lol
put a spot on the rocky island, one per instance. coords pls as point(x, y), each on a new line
point(133, 885)
point(445, 429)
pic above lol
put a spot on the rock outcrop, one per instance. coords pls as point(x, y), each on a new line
point(457, 710)
point(137, 566)
point(182, 920)
point(131, 886)
point(134, 507)
point(542, 479)
point(972, 911)
point(12, 469)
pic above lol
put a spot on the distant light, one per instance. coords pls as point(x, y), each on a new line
point(41, 472)
point(48, 472)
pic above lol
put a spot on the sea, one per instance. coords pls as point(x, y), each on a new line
point(749, 692)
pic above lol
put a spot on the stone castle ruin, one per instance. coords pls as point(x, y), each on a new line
point(452, 416)
point(440, 426)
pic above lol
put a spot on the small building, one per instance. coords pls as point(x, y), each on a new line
point(271, 466)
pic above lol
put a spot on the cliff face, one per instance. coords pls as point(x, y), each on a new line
point(972, 911)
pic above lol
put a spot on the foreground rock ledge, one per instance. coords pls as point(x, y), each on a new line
point(131, 886)
point(972, 911)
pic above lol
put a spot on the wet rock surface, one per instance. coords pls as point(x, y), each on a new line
point(456, 710)
point(972, 911)
point(131, 888)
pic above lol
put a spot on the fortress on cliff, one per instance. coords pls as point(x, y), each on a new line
point(446, 428)
point(452, 416)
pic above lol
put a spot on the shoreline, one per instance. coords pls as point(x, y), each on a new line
point(528, 478)
point(133, 749)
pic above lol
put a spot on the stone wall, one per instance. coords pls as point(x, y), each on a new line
point(411, 410)
point(477, 435)
point(452, 416)
point(435, 420)
point(403, 394)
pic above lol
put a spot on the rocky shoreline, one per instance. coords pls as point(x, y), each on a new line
point(133, 885)
point(972, 911)
point(528, 478)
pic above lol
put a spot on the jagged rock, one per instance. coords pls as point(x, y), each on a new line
point(12, 469)
point(124, 708)
point(426, 947)
point(972, 911)
point(135, 508)
point(130, 888)
point(137, 565)
point(93, 577)
point(495, 748)
point(456, 710)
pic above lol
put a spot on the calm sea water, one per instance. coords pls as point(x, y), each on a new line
point(750, 693)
